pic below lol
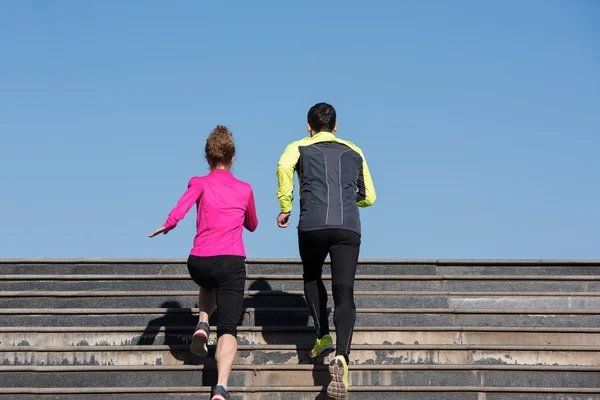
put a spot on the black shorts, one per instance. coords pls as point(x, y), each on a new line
point(226, 274)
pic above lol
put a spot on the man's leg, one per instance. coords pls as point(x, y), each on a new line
point(313, 251)
point(344, 259)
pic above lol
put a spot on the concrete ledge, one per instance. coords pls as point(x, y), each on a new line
point(244, 328)
point(294, 348)
point(302, 367)
point(438, 262)
point(110, 277)
point(121, 311)
point(297, 389)
point(277, 293)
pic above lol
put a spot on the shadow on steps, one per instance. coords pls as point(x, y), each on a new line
point(282, 319)
point(177, 320)
point(178, 339)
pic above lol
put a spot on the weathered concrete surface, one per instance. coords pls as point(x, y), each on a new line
point(260, 396)
point(316, 395)
point(294, 282)
point(567, 268)
point(290, 355)
point(182, 282)
point(429, 330)
point(317, 377)
point(538, 396)
point(300, 317)
point(175, 335)
point(362, 300)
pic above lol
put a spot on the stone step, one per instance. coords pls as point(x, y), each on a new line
point(158, 283)
point(297, 354)
point(305, 336)
point(301, 375)
point(308, 393)
point(378, 267)
point(371, 299)
point(426, 330)
point(264, 316)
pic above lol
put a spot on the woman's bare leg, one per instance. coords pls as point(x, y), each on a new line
point(225, 355)
point(207, 302)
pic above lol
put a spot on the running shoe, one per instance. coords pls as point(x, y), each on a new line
point(219, 393)
point(199, 344)
point(323, 347)
point(338, 388)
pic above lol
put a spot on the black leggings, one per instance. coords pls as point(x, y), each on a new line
point(343, 246)
point(226, 274)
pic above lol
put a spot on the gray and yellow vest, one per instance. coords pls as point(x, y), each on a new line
point(334, 182)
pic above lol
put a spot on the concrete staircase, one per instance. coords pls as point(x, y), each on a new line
point(426, 330)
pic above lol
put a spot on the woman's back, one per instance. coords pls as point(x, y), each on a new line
point(225, 207)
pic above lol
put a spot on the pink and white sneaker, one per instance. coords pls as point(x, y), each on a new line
point(199, 344)
point(219, 393)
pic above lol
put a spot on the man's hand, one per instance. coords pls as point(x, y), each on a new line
point(160, 230)
point(283, 220)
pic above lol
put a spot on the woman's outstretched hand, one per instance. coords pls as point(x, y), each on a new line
point(160, 230)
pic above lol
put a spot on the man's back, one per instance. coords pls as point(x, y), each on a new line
point(332, 182)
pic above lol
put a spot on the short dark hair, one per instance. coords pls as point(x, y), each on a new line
point(321, 117)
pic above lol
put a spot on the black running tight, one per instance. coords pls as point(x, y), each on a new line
point(343, 246)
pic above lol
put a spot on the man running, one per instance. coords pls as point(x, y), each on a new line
point(334, 182)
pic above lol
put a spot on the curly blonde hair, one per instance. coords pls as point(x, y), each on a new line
point(220, 148)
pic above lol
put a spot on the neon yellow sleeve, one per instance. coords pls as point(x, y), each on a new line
point(370, 195)
point(366, 195)
point(285, 176)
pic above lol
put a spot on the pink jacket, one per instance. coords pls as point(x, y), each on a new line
point(225, 206)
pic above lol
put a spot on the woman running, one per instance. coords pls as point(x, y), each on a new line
point(217, 261)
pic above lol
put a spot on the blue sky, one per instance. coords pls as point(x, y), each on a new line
point(480, 121)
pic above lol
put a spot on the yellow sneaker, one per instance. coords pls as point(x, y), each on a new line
point(338, 388)
point(323, 347)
